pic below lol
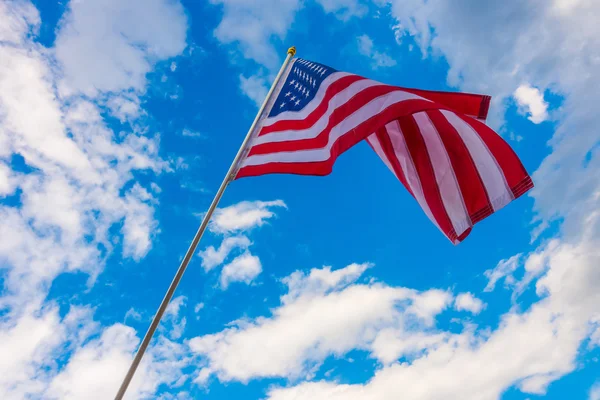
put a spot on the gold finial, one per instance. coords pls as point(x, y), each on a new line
point(292, 51)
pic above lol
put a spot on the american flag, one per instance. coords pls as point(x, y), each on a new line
point(436, 143)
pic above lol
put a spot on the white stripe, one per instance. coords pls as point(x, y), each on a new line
point(444, 174)
point(370, 109)
point(313, 131)
point(374, 141)
point(310, 107)
point(490, 172)
point(408, 167)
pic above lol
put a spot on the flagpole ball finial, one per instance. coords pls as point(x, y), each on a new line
point(292, 51)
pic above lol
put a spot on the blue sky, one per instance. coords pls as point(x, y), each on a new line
point(118, 121)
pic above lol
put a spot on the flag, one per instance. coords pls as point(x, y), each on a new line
point(436, 143)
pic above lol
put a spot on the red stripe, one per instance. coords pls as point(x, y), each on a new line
point(317, 113)
point(463, 235)
point(523, 187)
point(361, 99)
point(343, 143)
point(388, 149)
point(507, 160)
point(485, 107)
point(420, 156)
point(466, 103)
point(471, 185)
point(307, 168)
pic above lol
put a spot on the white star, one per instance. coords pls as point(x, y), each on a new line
point(311, 81)
point(296, 85)
point(303, 90)
point(307, 93)
point(297, 102)
point(293, 98)
point(292, 82)
point(282, 105)
point(314, 83)
point(323, 73)
point(288, 94)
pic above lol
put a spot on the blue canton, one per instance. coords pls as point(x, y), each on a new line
point(301, 86)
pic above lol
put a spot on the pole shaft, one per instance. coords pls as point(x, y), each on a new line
point(188, 255)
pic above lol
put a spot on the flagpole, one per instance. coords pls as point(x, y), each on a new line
point(188, 255)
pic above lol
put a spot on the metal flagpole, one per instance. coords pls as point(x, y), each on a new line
point(188, 256)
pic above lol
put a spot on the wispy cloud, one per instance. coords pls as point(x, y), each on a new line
point(366, 47)
point(244, 216)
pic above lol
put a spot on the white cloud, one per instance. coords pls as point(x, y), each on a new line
point(212, 257)
point(7, 180)
point(255, 87)
point(344, 9)
point(96, 370)
point(514, 354)
point(125, 108)
point(190, 133)
point(173, 322)
point(595, 392)
point(80, 187)
point(32, 343)
point(139, 226)
point(392, 343)
point(378, 59)
point(73, 196)
point(19, 18)
point(468, 302)
point(25, 343)
point(101, 50)
point(430, 304)
point(256, 25)
point(531, 101)
point(133, 314)
point(321, 281)
point(365, 45)
point(252, 25)
point(240, 217)
point(504, 269)
point(595, 336)
point(175, 305)
point(243, 268)
point(323, 313)
point(243, 216)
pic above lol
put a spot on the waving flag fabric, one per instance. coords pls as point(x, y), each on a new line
point(436, 143)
